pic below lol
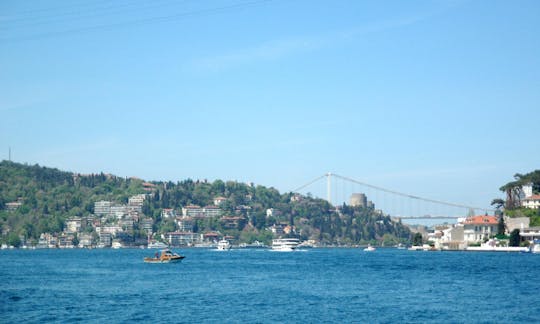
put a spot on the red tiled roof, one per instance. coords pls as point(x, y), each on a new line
point(482, 220)
point(533, 197)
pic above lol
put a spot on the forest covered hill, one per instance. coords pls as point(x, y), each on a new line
point(36, 199)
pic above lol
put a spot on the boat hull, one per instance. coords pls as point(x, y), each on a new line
point(167, 260)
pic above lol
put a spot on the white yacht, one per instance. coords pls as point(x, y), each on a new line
point(157, 245)
point(223, 245)
point(285, 244)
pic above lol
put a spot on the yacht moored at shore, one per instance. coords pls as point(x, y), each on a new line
point(285, 244)
point(157, 245)
point(224, 245)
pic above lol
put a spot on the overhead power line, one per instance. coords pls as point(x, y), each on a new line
point(138, 22)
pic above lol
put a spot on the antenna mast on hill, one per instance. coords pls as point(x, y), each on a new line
point(10, 154)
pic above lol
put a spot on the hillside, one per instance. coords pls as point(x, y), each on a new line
point(36, 200)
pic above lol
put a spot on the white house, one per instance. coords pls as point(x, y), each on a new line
point(477, 228)
point(532, 202)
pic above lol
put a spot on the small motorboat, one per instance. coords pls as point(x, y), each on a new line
point(164, 256)
point(369, 248)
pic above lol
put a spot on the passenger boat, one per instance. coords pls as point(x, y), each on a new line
point(285, 244)
point(224, 245)
point(164, 256)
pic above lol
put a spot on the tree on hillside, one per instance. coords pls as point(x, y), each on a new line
point(514, 238)
point(501, 227)
point(514, 190)
point(417, 239)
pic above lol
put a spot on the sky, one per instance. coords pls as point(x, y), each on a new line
point(439, 99)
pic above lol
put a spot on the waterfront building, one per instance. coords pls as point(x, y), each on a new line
point(530, 233)
point(181, 238)
point(47, 240)
point(477, 228)
point(85, 240)
point(65, 241)
point(211, 237)
point(73, 224)
point(105, 239)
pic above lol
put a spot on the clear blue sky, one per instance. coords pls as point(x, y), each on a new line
point(434, 98)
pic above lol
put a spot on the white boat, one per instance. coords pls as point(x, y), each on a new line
point(223, 245)
point(254, 245)
point(157, 245)
point(285, 244)
point(535, 248)
point(117, 245)
point(369, 248)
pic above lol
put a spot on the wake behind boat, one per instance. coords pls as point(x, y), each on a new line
point(164, 256)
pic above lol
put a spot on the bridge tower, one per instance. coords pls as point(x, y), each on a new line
point(329, 187)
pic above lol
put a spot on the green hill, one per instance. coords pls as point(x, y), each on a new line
point(36, 200)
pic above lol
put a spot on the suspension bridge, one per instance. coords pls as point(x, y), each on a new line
point(396, 204)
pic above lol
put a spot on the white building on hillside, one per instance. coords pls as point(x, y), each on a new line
point(532, 202)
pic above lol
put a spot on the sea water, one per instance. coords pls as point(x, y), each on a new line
point(260, 286)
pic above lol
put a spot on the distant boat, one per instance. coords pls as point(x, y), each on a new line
point(254, 245)
point(164, 256)
point(285, 244)
point(157, 245)
point(370, 249)
point(116, 245)
point(224, 245)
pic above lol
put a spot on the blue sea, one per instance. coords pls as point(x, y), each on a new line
point(261, 286)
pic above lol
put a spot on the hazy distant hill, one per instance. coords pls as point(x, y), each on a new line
point(36, 199)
